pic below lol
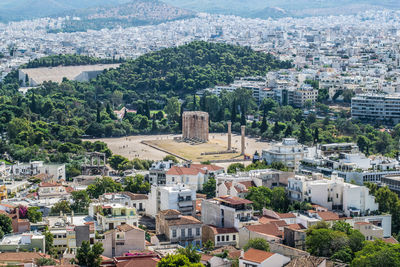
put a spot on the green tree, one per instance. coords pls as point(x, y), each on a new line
point(103, 185)
point(208, 246)
point(377, 254)
point(235, 167)
point(62, 206)
point(190, 252)
point(5, 225)
point(137, 184)
point(80, 200)
point(45, 262)
point(260, 196)
point(48, 238)
point(116, 162)
point(173, 108)
point(177, 260)
point(34, 215)
point(279, 200)
point(210, 187)
point(257, 243)
point(172, 158)
point(89, 256)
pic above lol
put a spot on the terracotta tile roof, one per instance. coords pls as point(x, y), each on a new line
point(208, 167)
point(183, 220)
point(198, 205)
point(206, 258)
point(228, 185)
point(128, 227)
point(175, 170)
point(390, 240)
point(194, 169)
point(296, 226)
point(286, 215)
point(218, 231)
point(170, 212)
point(256, 255)
point(362, 223)
point(144, 262)
point(135, 196)
point(328, 216)
point(266, 229)
point(248, 184)
point(306, 261)
point(46, 184)
point(266, 219)
point(69, 189)
point(21, 256)
point(233, 200)
point(234, 253)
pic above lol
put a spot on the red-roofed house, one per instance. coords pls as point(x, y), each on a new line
point(289, 218)
point(237, 189)
point(259, 258)
point(192, 175)
point(269, 232)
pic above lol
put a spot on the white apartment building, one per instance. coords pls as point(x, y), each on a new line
point(54, 171)
point(289, 152)
point(111, 215)
point(376, 107)
point(333, 194)
point(177, 197)
point(303, 94)
point(158, 171)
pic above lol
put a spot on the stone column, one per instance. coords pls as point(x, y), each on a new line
point(243, 139)
point(229, 135)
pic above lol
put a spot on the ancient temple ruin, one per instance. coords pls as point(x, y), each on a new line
point(195, 126)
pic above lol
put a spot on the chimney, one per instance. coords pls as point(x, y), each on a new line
point(229, 135)
point(243, 128)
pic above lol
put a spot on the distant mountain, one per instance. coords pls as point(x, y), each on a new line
point(277, 8)
point(28, 9)
point(134, 13)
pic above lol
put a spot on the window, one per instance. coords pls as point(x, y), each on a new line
point(173, 179)
point(182, 232)
point(190, 232)
point(198, 231)
point(218, 238)
point(227, 238)
point(174, 233)
point(223, 238)
point(337, 195)
point(234, 237)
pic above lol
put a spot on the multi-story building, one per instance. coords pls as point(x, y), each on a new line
point(55, 172)
point(158, 170)
point(227, 212)
point(221, 236)
point(177, 197)
point(177, 228)
point(110, 215)
point(51, 190)
point(370, 231)
point(306, 93)
point(138, 201)
point(25, 241)
point(333, 194)
point(289, 152)
point(376, 107)
point(192, 175)
point(336, 148)
point(121, 240)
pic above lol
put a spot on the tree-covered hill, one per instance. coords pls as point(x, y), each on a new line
point(188, 68)
point(67, 60)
